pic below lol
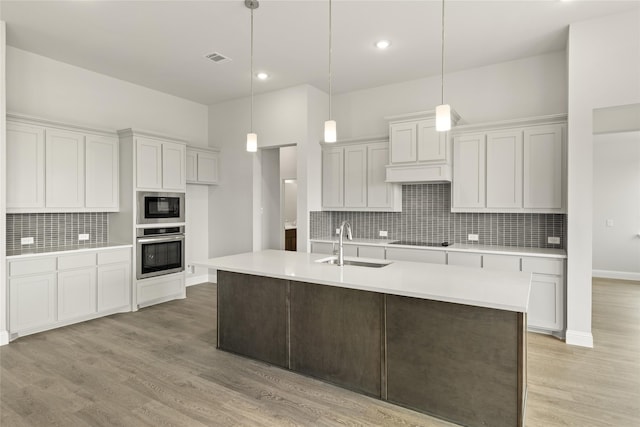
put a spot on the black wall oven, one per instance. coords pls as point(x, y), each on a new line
point(160, 251)
point(158, 208)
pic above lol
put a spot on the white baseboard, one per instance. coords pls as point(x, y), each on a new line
point(581, 339)
point(4, 337)
point(202, 278)
point(622, 275)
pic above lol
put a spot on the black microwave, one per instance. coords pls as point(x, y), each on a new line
point(158, 208)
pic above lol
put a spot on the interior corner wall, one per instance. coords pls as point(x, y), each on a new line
point(41, 87)
point(526, 87)
point(4, 336)
point(603, 69)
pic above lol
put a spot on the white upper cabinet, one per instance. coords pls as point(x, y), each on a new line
point(203, 166)
point(101, 172)
point(521, 167)
point(504, 169)
point(160, 165)
point(64, 169)
point(418, 153)
point(353, 177)
point(174, 166)
point(56, 167)
point(543, 167)
point(332, 178)
point(25, 166)
point(149, 163)
point(469, 171)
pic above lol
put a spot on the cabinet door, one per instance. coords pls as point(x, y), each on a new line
point(379, 193)
point(76, 293)
point(403, 142)
point(174, 175)
point(332, 178)
point(148, 163)
point(114, 286)
point(355, 176)
point(469, 171)
point(101, 177)
point(349, 250)
point(543, 167)
point(504, 169)
point(32, 301)
point(208, 166)
point(25, 166)
point(464, 259)
point(64, 169)
point(192, 166)
point(376, 252)
point(416, 255)
point(546, 302)
point(500, 262)
point(432, 145)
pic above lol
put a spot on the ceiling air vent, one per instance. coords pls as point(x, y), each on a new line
point(217, 58)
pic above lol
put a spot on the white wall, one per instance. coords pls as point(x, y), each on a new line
point(616, 198)
point(526, 87)
point(4, 337)
point(288, 162)
point(41, 87)
point(603, 69)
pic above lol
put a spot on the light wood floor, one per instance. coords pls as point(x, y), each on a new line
point(159, 367)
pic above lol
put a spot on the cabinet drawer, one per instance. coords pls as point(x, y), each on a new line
point(543, 266)
point(66, 262)
point(32, 266)
point(501, 262)
point(349, 250)
point(322, 248)
point(465, 259)
point(112, 257)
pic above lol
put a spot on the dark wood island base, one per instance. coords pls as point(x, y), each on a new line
point(462, 363)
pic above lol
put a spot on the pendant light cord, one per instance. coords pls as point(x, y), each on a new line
point(442, 59)
point(330, 51)
point(251, 71)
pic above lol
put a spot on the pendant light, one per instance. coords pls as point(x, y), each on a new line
point(252, 138)
point(330, 134)
point(443, 111)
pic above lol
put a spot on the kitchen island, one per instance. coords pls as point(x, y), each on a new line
point(445, 340)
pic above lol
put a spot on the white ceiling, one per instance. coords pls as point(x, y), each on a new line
point(162, 44)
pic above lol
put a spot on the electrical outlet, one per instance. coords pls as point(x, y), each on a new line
point(383, 233)
point(473, 237)
point(82, 237)
point(337, 231)
point(26, 241)
point(191, 269)
point(553, 240)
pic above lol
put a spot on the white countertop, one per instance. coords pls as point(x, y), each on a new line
point(27, 253)
point(462, 285)
point(457, 247)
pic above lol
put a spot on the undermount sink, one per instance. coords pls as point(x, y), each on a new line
point(360, 263)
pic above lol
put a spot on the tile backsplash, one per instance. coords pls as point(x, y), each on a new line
point(426, 216)
point(50, 230)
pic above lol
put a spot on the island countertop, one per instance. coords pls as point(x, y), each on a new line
point(461, 285)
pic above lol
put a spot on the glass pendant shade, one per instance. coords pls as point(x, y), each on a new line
point(252, 142)
point(443, 118)
point(330, 134)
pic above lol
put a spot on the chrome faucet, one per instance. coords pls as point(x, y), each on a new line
point(340, 234)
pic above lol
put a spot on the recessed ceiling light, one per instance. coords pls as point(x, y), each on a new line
point(262, 76)
point(383, 44)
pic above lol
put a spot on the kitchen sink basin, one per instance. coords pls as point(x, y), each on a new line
point(357, 263)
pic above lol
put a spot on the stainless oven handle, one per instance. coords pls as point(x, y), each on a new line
point(160, 239)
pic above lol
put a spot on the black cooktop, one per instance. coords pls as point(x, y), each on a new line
point(419, 243)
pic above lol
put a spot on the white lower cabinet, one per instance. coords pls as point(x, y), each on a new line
point(322, 248)
point(546, 300)
point(52, 291)
point(501, 262)
point(76, 293)
point(160, 289)
point(465, 259)
point(416, 255)
point(376, 252)
point(32, 302)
